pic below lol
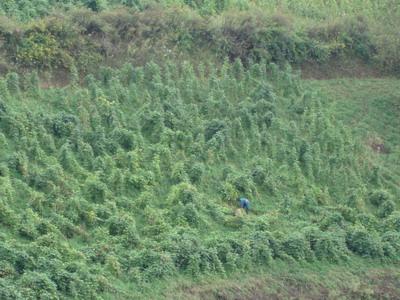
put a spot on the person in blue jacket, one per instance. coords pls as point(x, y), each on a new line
point(244, 203)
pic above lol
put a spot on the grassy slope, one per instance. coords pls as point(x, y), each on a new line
point(360, 278)
point(314, 9)
point(300, 32)
point(298, 282)
point(88, 238)
point(372, 108)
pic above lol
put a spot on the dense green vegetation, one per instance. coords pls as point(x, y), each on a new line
point(372, 108)
point(318, 9)
point(129, 128)
point(134, 176)
point(293, 31)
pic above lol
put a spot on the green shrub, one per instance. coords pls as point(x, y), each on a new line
point(13, 84)
point(7, 216)
point(297, 246)
point(183, 193)
point(393, 222)
point(28, 231)
point(7, 253)
point(260, 247)
point(63, 124)
point(38, 49)
point(363, 243)
point(118, 225)
point(8, 290)
point(179, 172)
point(152, 125)
point(66, 227)
point(191, 214)
point(68, 283)
point(213, 127)
point(243, 184)
point(391, 244)
point(95, 190)
point(386, 208)
point(124, 137)
point(368, 221)
point(328, 246)
point(259, 175)
point(154, 265)
point(195, 172)
point(36, 285)
point(23, 262)
point(156, 224)
point(377, 197)
point(19, 163)
point(131, 237)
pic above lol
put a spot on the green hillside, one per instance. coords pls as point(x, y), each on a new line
point(316, 9)
point(372, 109)
point(135, 176)
point(128, 134)
point(69, 35)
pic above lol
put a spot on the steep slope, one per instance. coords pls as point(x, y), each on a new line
point(133, 177)
point(372, 109)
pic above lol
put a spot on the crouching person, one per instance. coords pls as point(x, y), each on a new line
point(245, 204)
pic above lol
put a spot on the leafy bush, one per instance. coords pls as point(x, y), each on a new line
point(183, 193)
point(124, 137)
point(377, 197)
point(191, 214)
point(13, 84)
point(95, 190)
point(332, 219)
point(212, 128)
point(63, 124)
point(131, 237)
point(38, 49)
point(36, 285)
point(19, 163)
point(297, 247)
point(23, 262)
point(8, 290)
point(328, 245)
point(195, 172)
point(368, 221)
point(118, 225)
point(363, 243)
point(259, 244)
point(393, 222)
point(154, 265)
point(391, 244)
point(259, 175)
point(7, 215)
point(386, 208)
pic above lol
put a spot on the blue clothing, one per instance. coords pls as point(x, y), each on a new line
point(245, 204)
